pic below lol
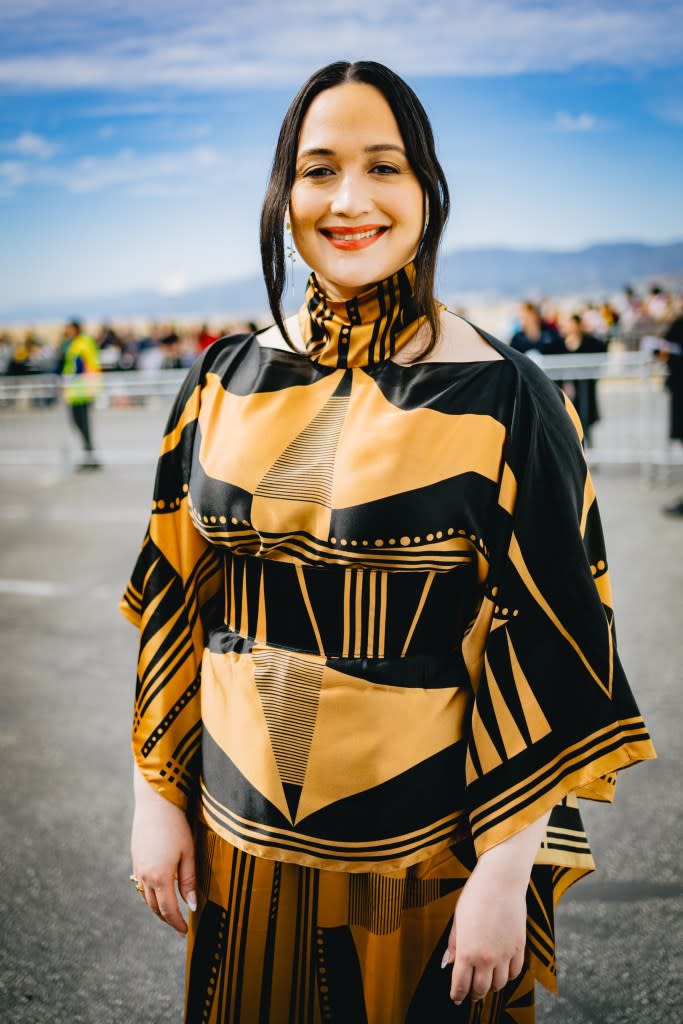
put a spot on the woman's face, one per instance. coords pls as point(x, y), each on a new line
point(356, 207)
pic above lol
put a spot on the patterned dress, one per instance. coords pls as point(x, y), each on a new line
point(376, 640)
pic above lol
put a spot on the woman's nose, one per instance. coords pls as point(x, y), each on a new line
point(351, 197)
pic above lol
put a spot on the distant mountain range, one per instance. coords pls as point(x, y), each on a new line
point(465, 275)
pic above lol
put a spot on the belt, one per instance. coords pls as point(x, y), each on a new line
point(350, 613)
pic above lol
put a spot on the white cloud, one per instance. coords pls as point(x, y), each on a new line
point(564, 122)
point(128, 110)
point(126, 168)
point(29, 144)
point(155, 175)
point(119, 46)
point(13, 173)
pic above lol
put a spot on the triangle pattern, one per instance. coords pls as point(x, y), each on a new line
point(288, 686)
point(305, 469)
point(292, 796)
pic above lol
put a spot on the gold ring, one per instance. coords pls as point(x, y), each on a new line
point(133, 879)
point(139, 887)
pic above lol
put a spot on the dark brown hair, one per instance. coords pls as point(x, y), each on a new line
point(418, 139)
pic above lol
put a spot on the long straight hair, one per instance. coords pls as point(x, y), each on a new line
point(418, 139)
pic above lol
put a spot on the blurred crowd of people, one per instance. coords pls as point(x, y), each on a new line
point(652, 320)
point(538, 327)
point(544, 328)
point(161, 347)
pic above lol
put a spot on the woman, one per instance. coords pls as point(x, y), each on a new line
point(583, 392)
point(404, 671)
point(534, 335)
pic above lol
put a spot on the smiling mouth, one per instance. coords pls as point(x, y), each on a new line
point(354, 238)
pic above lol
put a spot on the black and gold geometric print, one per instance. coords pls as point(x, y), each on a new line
point(378, 595)
point(289, 688)
point(305, 469)
point(273, 941)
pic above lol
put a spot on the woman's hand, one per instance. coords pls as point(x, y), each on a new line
point(486, 943)
point(162, 849)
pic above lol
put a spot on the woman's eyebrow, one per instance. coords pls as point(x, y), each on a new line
point(378, 147)
point(381, 146)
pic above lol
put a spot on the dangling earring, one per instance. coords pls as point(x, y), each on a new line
point(426, 218)
point(291, 251)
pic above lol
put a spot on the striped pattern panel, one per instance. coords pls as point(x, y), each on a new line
point(360, 332)
point(305, 470)
point(365, 621)
point(564, 773)
point(540, 930)
point(338, 854)
point(271, 943)
point(343, 613)
point(289, 688)
point(303, 1000)
point(500, 728)
point(166, 725)
point(303, 547)
point(378, 902)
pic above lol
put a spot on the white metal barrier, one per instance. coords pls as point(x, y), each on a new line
point(634, 404)
point(632, 430)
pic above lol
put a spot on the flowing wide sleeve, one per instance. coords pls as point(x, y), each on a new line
point(171, 597)
point(553, 713)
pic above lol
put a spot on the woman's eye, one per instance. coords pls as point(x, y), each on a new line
point(384, 169)
point(317, 172)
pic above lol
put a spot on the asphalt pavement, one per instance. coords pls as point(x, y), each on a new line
point(77, 944)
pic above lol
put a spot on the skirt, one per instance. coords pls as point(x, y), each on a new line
point(278, 943)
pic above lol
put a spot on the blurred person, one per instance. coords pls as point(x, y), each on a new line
point(534, 335)
point(6, 350)
point(592, 320)
point(79, 362)
point(188, 348)
point(376, 652)
point(657, 303)
point(674, 383)
point(633, 302)
point(109, 347)
point(149, 351)
point(28, 355)
point(205, 337)
point(583, 392)
point(169, 344)
point(611, 319)
point(636, 322)
point(19, 362)
point(129, 349)
point(674, 358)
point(550, 314)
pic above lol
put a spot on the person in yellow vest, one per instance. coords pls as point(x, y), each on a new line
point(80, 364)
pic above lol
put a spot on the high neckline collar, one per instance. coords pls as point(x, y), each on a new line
point(363, 331)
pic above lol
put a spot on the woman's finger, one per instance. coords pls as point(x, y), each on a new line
point(151, 900)
point(481, 982)
point(461, 980)
point(167, 903)
point(187, 882)
point(501, 976)
point(516, 965)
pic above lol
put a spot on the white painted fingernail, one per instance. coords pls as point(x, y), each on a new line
point(191, 901)
point(444, 962)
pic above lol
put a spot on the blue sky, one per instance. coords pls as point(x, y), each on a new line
point(135, 139)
